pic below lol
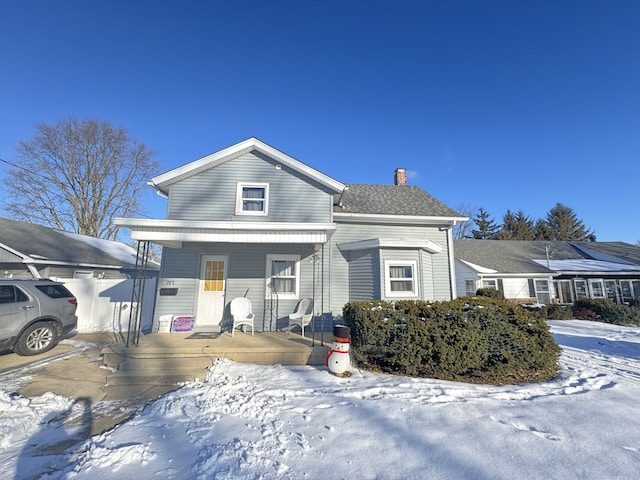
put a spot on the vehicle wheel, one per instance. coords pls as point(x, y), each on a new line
point(38, 338)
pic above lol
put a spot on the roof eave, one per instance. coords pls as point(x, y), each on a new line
point(399, 219)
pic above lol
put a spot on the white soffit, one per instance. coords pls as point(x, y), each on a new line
point(226, 236)
point(426, 245)
point(176, 232)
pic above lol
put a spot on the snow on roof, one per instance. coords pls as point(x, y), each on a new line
point(479, 268)
point(118, 250)
point(586, 265)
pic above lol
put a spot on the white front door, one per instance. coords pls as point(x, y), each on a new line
point(211, 287)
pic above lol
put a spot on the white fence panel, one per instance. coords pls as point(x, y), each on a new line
point(104, 305)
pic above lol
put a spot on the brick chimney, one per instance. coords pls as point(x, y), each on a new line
point(400, 177)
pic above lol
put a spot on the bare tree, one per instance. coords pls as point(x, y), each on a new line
point(462, 230)
point(78, 175)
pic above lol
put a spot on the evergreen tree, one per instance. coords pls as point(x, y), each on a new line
point(508, 226)
point(516, 226)
point(487, 228)
point(565, 225)
point(542, 231)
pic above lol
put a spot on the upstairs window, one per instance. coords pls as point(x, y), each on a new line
point(252, 199)
point(400, 279)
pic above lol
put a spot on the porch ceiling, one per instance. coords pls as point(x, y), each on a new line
point(174, 233)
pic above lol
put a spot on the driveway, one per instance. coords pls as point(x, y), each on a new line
point(74, 369)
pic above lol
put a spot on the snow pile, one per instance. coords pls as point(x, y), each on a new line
point(276, 422)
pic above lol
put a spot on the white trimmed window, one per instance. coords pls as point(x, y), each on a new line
point(469, 288)
point(400, 279)
point(283, 276)
point(252, 199)
point(490, 283)
point(543, 293)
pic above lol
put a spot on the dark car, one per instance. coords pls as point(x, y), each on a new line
point(34, 313)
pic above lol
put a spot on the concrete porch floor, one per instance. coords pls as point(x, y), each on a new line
point(263, 348)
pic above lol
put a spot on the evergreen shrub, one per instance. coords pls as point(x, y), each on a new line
point(557, 312)
point(473, 339)
point(606, 311)
point(490, 292)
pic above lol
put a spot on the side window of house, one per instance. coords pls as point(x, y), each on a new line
point(283, 276)
point(543, 294)
point(490, 283)
point(581, 289)
point(252, 199)
point(469, 288)
point(400, 279)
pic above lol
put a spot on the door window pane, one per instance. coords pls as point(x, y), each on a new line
point(213, 276)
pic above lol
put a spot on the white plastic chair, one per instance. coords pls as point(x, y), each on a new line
point(241, 313)
point(302, 315)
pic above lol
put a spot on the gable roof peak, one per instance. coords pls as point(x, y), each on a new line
point(164, 180)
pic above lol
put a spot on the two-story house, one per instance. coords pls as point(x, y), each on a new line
point(251, 221)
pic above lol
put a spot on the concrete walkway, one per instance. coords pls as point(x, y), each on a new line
point(117, 380)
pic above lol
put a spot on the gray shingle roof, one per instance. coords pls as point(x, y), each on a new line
point(515, 256)
point(48, 243)
point(392, 200)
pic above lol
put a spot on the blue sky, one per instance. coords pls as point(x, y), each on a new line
point(494, 104)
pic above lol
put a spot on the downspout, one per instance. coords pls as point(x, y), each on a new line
point(452, 263)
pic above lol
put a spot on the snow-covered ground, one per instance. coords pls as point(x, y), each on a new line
point(248, 421)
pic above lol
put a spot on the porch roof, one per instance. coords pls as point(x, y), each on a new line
point(173, 233)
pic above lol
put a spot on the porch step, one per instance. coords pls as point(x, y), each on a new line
point(168, 359)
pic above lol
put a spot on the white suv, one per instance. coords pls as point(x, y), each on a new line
point(34, 313)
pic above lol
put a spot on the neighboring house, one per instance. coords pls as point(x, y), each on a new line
point(252, 221)
point(549, 271)
point(28, 250)
point(97, 271)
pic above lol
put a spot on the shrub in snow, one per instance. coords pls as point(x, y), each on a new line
point(606, 311)
point(476, 339)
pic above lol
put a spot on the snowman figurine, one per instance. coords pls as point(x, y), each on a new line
point(339, 359)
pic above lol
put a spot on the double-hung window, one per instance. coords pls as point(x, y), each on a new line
point(283, 276)
point(252, 199)
point(543, 293)
point(400, 279)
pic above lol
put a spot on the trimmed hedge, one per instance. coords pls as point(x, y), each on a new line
point(473, 339)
